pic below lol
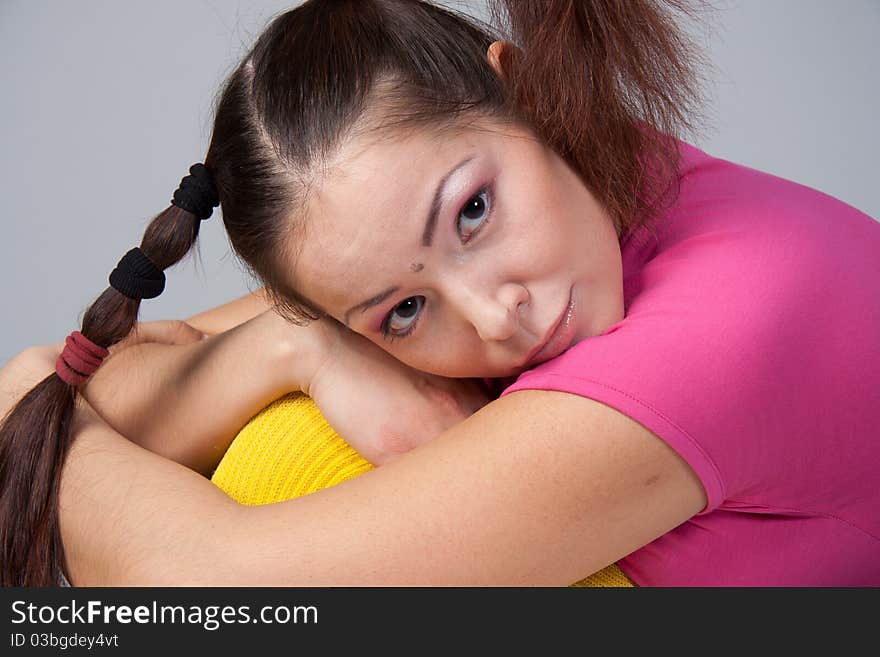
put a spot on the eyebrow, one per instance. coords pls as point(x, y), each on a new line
point(427, 237)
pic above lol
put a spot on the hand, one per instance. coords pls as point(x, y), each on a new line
point(28, 368)
point(382, 407)
point(162, 331)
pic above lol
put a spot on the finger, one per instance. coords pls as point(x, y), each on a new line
point(163, 331)
point(167, 331)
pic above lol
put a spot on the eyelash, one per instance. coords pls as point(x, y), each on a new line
point(490, 199)
point(388, 335)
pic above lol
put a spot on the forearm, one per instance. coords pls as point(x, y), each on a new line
point(187, 402)
point(528, 507)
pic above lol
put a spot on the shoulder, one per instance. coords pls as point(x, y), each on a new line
point(715, 193)
point(738, 239)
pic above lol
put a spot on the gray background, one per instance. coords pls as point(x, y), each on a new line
point(106, 103)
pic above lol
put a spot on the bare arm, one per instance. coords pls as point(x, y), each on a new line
point(186, 402)
point(236, 312)
point(536, 488)
point(190, 401)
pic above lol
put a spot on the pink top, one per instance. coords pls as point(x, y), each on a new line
point(751, 345)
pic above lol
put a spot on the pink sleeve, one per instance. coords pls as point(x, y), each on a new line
point(749, 346)
point(622, 370)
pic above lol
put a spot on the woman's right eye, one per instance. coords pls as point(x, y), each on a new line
point(402, 319)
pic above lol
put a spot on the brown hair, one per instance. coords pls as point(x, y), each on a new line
point(608, 84)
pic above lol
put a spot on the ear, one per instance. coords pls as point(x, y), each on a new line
point(498, 56)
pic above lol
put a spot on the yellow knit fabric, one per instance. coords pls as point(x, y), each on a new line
point(288, 450)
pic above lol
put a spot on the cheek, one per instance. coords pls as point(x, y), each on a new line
point(542, 222)
point(437, 360)
point(547, 240)
point(443, 357)
point(409, 351)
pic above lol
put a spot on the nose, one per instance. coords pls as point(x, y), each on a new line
point(496, 314)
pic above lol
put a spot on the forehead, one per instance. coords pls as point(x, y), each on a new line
point(365, 216)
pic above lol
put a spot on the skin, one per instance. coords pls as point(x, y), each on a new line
point(536, 488)
point(497, 275)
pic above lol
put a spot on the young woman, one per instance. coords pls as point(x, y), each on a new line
point(569, 339)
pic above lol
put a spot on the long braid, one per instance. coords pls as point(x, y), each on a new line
point(35, 436)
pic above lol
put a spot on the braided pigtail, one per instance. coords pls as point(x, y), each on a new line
point(35, 435)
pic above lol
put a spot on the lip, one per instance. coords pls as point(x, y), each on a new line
point(558, 339)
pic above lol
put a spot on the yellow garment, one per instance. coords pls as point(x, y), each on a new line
point(288, 450)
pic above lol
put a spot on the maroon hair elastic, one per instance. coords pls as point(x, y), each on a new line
point(79, 360)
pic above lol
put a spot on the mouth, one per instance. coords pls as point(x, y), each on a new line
point(558, 338)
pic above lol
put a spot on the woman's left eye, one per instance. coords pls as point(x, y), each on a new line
point(474, 214)
point(402, 319)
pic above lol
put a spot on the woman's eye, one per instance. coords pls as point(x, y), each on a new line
point(474, 214)
point(402, 319)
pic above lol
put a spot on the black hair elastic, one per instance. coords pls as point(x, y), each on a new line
point(137, 277)
point(197, 193)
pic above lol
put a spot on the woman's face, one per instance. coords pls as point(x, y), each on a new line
point(475, 254)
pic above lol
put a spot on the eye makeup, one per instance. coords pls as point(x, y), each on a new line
point(486, 192)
